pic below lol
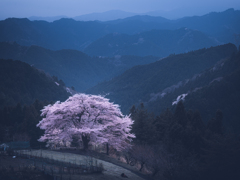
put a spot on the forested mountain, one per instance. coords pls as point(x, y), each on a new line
point(73, 67)
point(60, 34)
point(71, 34)
point(221, 93)
point(141, 83)
point(189, 148)
point(155, 42)
point(21, 83)
point(223, 26)
point(213, 89)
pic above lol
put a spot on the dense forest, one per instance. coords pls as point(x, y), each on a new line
point(179, 145)
point(18, 123)
point(24, 90)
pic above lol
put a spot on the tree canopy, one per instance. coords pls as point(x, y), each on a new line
point(90, 118)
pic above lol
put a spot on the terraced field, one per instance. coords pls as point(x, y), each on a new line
point(111, 171)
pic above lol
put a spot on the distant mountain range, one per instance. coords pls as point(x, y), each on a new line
point(155, 42)
point(118, 14)
point(223, 27)
point(61, 34)
point(98, 16)
point(146, 83)
point(21, 83)
point(73, 67)
point(105, 16)
point(48, 19)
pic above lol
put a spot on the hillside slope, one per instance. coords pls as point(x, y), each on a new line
point(155, 42)
point(221, 93)
point(213, 89)
point(139, 83)
point(60, 34)
point(21, 83)
point(224, 26)
point(73, 67)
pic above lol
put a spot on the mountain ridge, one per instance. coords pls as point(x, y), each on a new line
point(155, 42)
point(74, 67)
point(71, 34)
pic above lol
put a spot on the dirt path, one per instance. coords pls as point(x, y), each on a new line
point(110, 169)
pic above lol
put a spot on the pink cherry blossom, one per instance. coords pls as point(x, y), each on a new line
point(93, 119)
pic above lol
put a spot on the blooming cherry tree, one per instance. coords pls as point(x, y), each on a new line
point(91, 118)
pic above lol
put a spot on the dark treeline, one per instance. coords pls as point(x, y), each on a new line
point(24, 90)
point(178, 145)
point(18, 123)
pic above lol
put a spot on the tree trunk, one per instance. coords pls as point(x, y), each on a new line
point(107, 149)
point(85, 140)
point(142, 164)
point(155, 171)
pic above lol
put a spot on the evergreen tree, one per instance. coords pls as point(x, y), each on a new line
point(162, 123)
point(180, 114)
point(215, 124)
point(143, 125)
